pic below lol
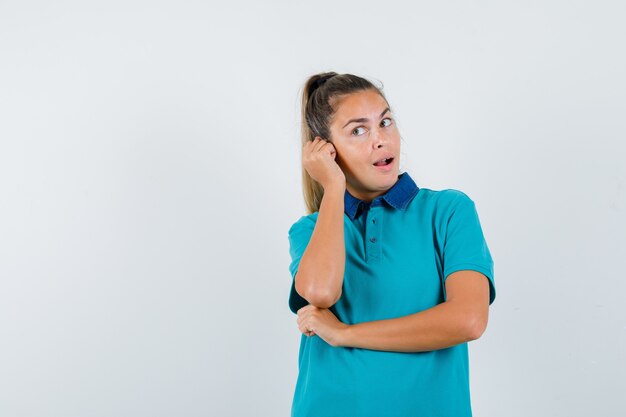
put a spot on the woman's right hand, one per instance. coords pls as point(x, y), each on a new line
point(318, 158)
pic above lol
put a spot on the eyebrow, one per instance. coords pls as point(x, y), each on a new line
point(363, 119)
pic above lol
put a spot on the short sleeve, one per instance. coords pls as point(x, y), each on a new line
point(464, 244)
point(299, 236)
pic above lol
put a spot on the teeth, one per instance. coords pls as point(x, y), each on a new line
point(387, 160)
point(383, 162)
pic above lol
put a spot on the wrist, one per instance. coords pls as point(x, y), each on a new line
point(343, 339)
point(335, 187)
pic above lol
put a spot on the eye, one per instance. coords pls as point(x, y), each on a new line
point(389, 121)
point(355, 130)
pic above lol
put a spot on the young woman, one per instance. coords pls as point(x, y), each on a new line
point(390, 280)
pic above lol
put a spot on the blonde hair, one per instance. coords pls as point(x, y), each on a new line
point(321, 92)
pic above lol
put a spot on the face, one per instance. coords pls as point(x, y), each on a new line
point(363, 132)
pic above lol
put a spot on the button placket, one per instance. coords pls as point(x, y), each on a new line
point(373, 233)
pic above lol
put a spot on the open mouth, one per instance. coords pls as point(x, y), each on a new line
point(383, 162)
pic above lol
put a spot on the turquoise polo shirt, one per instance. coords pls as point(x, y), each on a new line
point(400, 248)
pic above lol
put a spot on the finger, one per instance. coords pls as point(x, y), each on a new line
point(313, 147)
point(314, 142)
point(302, 318)
point(333, 151)
point(310, 145)
point(305, 308)
point(304, 329)
point(325, 146)
point(320, 145)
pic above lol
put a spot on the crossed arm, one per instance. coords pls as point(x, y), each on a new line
point(462, 317)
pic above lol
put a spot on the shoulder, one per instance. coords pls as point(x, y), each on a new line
point(304, 223)
point(300, 232)
point(453, 196)
point(445, 198)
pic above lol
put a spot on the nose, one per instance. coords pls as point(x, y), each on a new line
point(379, 138)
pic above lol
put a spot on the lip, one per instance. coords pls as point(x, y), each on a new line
point(384, 156)
point(386, 168)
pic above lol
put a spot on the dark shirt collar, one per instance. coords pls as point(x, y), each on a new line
point(398, 196)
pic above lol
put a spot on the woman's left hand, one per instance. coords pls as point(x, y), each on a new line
point(313, 320)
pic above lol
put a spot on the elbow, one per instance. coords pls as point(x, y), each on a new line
point(322, 299)
point(476, 327)
point(319, 297)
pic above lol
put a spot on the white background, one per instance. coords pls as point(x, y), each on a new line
point(150, 170)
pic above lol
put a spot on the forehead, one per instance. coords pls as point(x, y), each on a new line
point(359, 104)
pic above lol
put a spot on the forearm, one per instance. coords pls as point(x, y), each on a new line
point(320, 274)
point(444, 325)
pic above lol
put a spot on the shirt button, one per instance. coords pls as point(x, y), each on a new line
point(373, 239)
point(373, 220)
